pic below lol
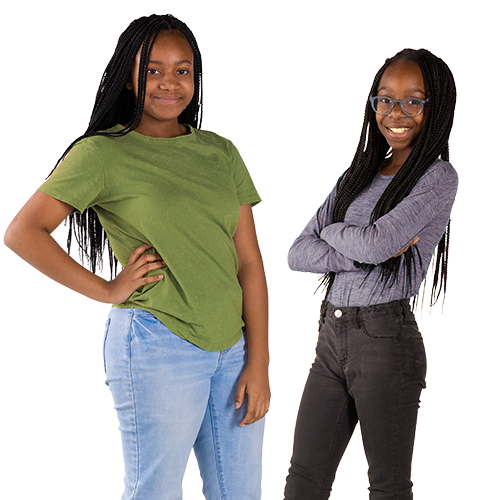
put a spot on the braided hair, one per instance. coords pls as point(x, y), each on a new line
point(115, 104)
point(432, 143)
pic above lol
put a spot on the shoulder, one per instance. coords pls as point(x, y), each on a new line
point(92, 146)
point(440, 171)
point(440, 178)
point(211, 139)
point(85, 150)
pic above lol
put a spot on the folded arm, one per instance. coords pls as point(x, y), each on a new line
point(310, 253)
point(374, 244)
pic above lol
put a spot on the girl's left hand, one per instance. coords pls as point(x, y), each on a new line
point(254, 382)
point(412, 242)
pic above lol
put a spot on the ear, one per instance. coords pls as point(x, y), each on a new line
point(128, 85)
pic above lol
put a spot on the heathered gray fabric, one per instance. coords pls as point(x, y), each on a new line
point(425, 212)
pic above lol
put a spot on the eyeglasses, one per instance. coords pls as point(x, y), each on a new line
point(410, 106)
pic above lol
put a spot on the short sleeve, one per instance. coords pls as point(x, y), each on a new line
point(245, 189)
point(79, 178)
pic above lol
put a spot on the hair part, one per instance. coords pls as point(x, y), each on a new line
point(115, 104)
point(431, 144)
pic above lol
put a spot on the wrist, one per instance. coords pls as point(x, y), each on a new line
point(104, 291)
point(258, 361)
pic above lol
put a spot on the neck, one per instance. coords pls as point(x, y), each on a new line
point(391, 165)
point(165, 130)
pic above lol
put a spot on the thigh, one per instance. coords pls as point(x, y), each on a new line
point(160, 385)
point(326, 418)
point(386, 380)
point(229, 456)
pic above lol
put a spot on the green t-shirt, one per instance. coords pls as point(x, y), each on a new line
point(182, 196)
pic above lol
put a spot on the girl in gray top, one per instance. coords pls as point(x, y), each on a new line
point(374, 238)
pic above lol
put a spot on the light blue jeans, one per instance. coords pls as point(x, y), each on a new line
point(171, 397)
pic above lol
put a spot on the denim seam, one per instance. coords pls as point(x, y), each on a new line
point(220, 361)
point(217, 457)
point(106, 332)
point(398, 419)
point(335, 436)
point(136, 433)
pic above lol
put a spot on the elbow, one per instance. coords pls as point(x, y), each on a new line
point(10, 237)
point(15, 237)
point(292, 260)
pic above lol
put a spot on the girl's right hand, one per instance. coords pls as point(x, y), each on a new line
point(133, 274)
point(29, 235)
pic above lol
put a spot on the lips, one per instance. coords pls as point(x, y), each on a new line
point(398, 132)
point(170, 99)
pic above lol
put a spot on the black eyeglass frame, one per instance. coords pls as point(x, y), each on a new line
point(422, 102)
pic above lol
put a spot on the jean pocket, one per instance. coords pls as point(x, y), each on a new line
point(106, 331)
point(382, 326)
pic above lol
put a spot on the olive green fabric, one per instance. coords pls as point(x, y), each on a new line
point(182, 196)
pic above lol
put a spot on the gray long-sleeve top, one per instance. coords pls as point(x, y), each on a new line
point(324, 247)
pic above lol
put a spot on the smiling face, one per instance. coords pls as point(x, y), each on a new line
point(169, 85)
point(401, 79)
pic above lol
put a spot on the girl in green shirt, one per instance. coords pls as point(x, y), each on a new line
point(188, 330)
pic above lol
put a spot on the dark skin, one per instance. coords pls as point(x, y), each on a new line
point(400, 79)
point(169, 85)
point(169, 89)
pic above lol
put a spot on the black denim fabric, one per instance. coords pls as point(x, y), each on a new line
point(370, 367)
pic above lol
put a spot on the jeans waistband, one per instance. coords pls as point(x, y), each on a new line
point(397, 306)
point(132, 311)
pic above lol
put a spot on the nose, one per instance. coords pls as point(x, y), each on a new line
point(169, 82)
point(397, 110)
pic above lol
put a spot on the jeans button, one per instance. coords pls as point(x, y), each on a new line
point(338, 313)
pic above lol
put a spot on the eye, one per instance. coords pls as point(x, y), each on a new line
point(384, 100)
point(413, 102)
point(153, 71)
point(183, 71)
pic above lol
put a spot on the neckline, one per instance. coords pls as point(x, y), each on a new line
point(385, 177)
point(191, 132)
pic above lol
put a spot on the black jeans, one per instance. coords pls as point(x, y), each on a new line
point(370, 366)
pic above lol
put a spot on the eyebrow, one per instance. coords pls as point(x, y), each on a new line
point(410, 90)
point(176, 63)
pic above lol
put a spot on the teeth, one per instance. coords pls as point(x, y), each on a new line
point(398, 130)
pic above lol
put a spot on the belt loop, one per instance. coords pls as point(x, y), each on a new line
point(358, 320)
point(404, 307)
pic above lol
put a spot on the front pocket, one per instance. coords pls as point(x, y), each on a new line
point(382, 326)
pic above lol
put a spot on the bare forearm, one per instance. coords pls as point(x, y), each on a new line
point(255, 311)
point(37, 247)
point(29, 235)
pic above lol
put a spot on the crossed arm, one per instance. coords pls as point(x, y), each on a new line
point(324, 247)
